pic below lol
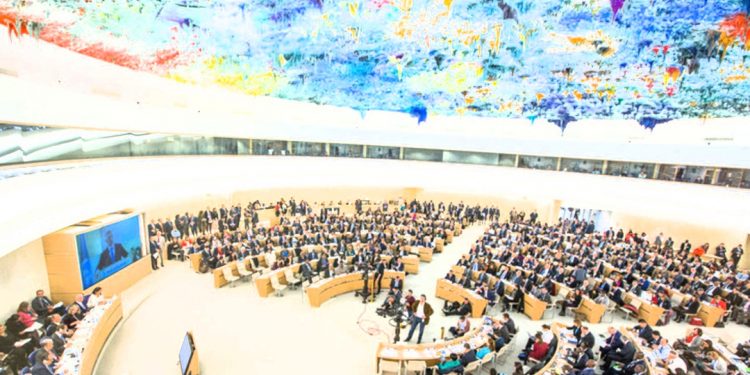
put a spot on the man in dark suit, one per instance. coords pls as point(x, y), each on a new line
point(43, 366)
point(397, 283)
point(306, 270)
point(399, 265)
point(624, 354)
point(587, 338)
point(612, 342)
point(111, 253)
point(470, 355)
point(379, 272)
point(579, 360)
point(644, 330)
point(43, 306)
point(451, 277)
point(58, 341)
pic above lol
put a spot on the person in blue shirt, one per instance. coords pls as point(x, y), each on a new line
point(449, 365)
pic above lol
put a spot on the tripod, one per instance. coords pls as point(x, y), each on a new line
point(396, 321)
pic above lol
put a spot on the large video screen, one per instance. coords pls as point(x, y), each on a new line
point(104, 251)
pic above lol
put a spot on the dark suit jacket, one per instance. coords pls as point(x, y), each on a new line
point(40, 369)
point(588, 339)
point(645, 333)
point(105, 259)
point(624, 354)
point(39, 306)
point(469, 357)
point(398, 284)
point(306, 270)
point(580, 362)
point(59, 344)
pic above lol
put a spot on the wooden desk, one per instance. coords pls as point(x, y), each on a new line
point(411, 263)
point(591, 310)
point(326, 289)
point(533, 307)
point(195, 261)
point(455, 293)
point(448, 236)
point(425, 253)
point(91, 345)
point(220, 281)
point(439, 244)
point(430, 352)
point(648, 312)
point(263, 282)
point(710, 314)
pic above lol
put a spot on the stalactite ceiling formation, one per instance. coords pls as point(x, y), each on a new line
point(561, 60)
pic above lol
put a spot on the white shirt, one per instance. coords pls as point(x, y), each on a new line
point(93, 301)
point(270, 258)
point(547, 336)
point(676, 363)
point(420, 310)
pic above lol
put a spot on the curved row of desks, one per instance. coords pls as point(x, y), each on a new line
point(430, 352)
point(411, 266)
point(89, 338)
point(556, 360)
point(325, 289)
point(456, 293)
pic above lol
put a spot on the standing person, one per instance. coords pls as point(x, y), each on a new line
point(379, 272)
point(154, 251)
point(737, 255)
point(421, 312)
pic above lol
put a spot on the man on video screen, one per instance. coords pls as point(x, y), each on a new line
point(112, 253)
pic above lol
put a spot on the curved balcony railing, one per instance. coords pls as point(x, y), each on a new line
point(21, 146)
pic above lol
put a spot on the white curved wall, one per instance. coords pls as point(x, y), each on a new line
point(38, 204)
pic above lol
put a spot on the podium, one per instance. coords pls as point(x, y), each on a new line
point(188, 356)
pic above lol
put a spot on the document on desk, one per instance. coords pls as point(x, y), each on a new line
point(33, 327)
point(58, 305)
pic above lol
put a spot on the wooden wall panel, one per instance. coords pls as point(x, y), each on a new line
point(63, 269)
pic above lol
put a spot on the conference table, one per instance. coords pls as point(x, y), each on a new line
point(263, 282)
point(423, 252)
point(710, 314)
point(411, 263)
point(456, 293)
point(533, 307)
point(89, 338)
point(430, 352)
point(195, 261)
point(647, 311)
point(590, 310)
point(325, 289)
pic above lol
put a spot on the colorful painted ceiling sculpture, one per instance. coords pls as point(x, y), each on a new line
point(561, 60)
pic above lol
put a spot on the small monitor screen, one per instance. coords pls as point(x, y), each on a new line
point(104, 251)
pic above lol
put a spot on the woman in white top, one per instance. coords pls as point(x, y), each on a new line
point(95, 298)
